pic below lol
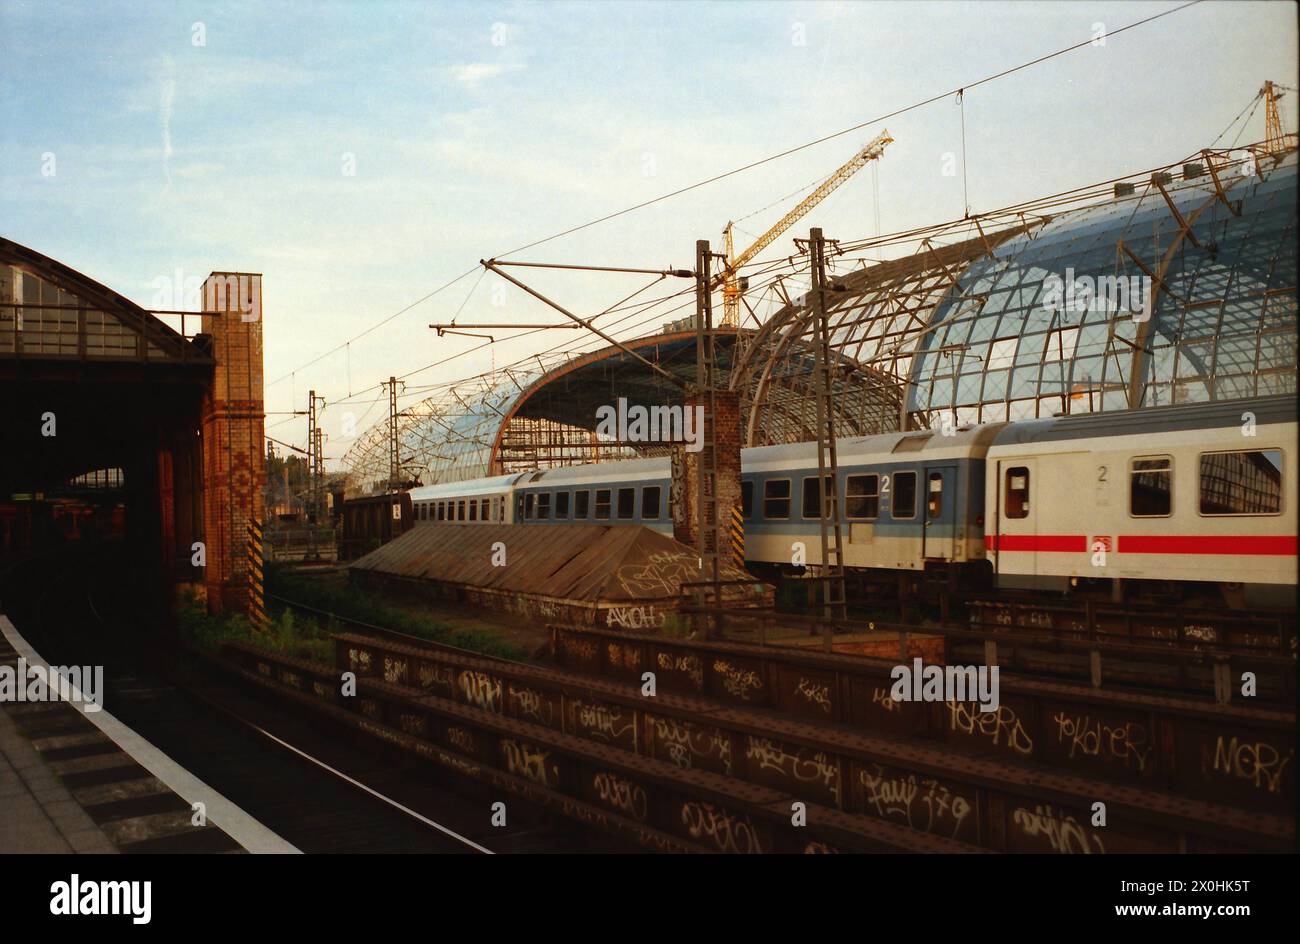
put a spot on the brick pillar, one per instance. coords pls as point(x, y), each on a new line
point(234, 460)
point(686, 467)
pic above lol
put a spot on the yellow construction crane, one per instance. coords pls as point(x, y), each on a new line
point(727, 278)
point(1274, 139)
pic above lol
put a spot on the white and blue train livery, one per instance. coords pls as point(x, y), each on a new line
point(908, 498)
point(635, 491)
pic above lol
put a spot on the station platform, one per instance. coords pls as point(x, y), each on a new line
point(37, 813)
point(78, 781)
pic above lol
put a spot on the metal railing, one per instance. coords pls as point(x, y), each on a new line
point(301, 544)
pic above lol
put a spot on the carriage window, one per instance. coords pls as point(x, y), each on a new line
point(460, 510)
point(424, 512)
point(581, 499)
point(776, 498)
point(561, 504)
point(1241, 483)
point(862, 496)
point(934, 503)
point(812, 497)
point(473, 510)
point(1017, 489)
point(1150, 487)
point(650, 502)
point(602, 503)
point(627, 503)
point(528, 505)
point(747, 499)
point(543, 505)
point(483, 509)
point(438, 512)
point(904, 495)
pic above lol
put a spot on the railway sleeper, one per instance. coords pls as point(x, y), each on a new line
point(935, 791)
point(649, 802)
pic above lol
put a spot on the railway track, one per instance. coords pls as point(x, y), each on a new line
point(709, 765)
point(316, 792)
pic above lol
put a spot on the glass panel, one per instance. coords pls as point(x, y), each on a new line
point(904, 495)
point(776, 499)
point(1151, 487)
point(1017, 492)
point(934, 504)
point(862, 496)
point(1241, 483)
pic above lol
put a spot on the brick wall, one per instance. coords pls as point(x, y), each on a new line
point(686, 467)
point(234, 463)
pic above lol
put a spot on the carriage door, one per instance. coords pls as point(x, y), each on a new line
point(939, 531)
point(1015, 546)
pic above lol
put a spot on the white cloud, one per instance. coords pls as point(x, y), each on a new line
point(165, 115)
point(473, 74)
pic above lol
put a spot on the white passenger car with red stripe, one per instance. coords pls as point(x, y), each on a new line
point(1199, 494)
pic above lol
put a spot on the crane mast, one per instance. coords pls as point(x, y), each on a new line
point(1274, 138)
point(728, 279)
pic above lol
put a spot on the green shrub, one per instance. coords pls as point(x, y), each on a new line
point(288, 634)
point(353, 603)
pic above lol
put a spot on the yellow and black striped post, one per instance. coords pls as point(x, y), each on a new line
point(738, 536)
point(256, 592)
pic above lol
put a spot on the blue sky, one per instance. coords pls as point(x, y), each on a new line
point(474, 128)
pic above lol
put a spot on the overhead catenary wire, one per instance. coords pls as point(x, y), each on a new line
point(1027, 208)
point(849, 130)
point(746, 167)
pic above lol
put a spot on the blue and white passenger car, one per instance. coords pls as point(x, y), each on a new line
point(908, 499)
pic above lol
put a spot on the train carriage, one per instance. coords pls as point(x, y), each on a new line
point(633, 491)
point(1198, 494)
point(476, 501)
point(910, 500)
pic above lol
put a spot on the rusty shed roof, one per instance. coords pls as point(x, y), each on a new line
point(588, 562)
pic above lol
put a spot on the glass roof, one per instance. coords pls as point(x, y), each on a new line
point(1217, 318)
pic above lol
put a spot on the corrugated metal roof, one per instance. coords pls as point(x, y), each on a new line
point(588, 562)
